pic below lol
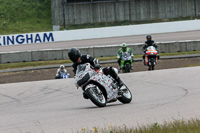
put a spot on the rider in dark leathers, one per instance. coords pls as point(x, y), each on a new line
point(148, 43)
point(76, 57)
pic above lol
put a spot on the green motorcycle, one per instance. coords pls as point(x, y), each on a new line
point(126, 61)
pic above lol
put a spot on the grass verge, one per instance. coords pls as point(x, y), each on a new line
point(28, 16)
point(57, 62)
point(198, 64)
point(24, 16)
point(177, 126)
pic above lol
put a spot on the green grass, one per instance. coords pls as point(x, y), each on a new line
point(198, 64)
point(27, 16)
point(177, 126)
point(161, 54)
point(24, 16)
point(179, 53)
point(32, 64)
point(58, 62)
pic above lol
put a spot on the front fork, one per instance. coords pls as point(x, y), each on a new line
point(89, 86)
point(122, 63)
point(146, 60)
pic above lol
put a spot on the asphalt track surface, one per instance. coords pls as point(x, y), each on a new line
point(175, 36)
point(56, 106)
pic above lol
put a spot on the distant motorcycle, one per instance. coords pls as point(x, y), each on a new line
point(63, 75)
point(98, 87)
point(126, 62)
point(151, 57)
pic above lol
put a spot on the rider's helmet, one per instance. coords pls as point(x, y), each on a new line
point(62, 67)
point(148, 37)
point(74, 54)
point(124, 46)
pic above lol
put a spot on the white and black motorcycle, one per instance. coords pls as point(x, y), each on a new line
point(98, 87)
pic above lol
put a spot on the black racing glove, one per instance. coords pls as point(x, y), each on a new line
point(97, 66)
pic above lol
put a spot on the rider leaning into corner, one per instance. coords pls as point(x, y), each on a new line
point(76, 57)
point(148, 43)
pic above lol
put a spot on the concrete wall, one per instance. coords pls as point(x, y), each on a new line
point(91, 33)
point(15, 57)
point(43, 55)
point(133, 10)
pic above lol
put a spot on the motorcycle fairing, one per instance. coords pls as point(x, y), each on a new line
point(106, 82)
point(125, 58)
point(151, 52)
point(85, 75)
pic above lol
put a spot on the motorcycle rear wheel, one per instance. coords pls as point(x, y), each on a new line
point(126, 97)
point(96, 96)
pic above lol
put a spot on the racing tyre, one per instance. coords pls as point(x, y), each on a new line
point(128, 67)
point(96, 96)
point(152, 64)
point(126, 97)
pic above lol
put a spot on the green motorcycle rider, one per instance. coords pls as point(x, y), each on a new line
point(122, 50)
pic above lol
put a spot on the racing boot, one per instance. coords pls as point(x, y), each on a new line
point(119, 68)
point(116, 77)
point(85, 95)
point(143, 60)
point(131, 67)
point(120, 84)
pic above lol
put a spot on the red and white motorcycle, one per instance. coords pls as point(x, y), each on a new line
point(98, 87)
point(151, 57)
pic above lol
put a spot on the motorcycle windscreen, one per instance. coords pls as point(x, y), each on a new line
point(83, 77)
point(80, 68)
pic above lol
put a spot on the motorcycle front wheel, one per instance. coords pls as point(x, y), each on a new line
point(128, 68)
point(126, 97)
point(152, 64)
point(96, 96)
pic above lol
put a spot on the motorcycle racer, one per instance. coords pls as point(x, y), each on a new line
point(76, 57)
point(122, 50)
point(60, 70)
point(148, 43)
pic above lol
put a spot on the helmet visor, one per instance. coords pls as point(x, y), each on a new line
point(124, 48)
point(148, 39)
point(74, 58)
